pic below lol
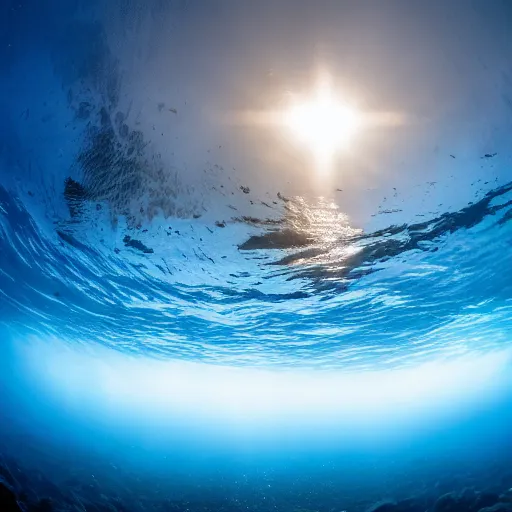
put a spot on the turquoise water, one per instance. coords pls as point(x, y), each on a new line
point(188, 323)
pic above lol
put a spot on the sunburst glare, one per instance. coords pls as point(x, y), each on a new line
point(324, 123)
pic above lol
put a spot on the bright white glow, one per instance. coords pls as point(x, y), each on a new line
point(121, 385)
point(323, 123)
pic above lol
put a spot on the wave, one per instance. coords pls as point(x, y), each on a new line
point(305, 289)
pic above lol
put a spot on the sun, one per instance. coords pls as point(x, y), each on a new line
point(323, 123)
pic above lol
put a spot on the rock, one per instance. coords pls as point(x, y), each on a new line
point(6, 475)
point(452, 502)
point(383, 506)
point(485, 500)
point(469, 494)
point(8, 501)
point(411, 505)
point(499, 507)
point(408, 505)
point(506, 497)
point(44, 505)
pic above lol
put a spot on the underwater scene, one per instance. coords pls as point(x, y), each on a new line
point(255, 256)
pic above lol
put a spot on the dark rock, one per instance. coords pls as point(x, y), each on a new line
point(485, 500)
point(7, 476)
point(44, 505)
point(245, 190)
point(452, 502)
point(506, 497)
point(408, 505)
point(411, 505)
point(383, 506)
point(498, 507)
point(220, 224)
point(469, 494)
point(8, 501)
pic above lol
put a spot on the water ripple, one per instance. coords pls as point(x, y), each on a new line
point(339, 298)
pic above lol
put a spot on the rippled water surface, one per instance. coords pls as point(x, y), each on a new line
point(327, 295)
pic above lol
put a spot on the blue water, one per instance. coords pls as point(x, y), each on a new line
point(188, 323)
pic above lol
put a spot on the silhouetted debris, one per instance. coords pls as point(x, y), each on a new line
point(245, 190)
point(73, 190)
point(71, 240)
point(259, 222)
point(220, 224)
point(489, 155)
point(385, 212)
point(284, 239)
point(137, 244)
point(75, 194)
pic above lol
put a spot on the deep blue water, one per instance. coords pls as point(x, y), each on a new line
point(188, 324)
